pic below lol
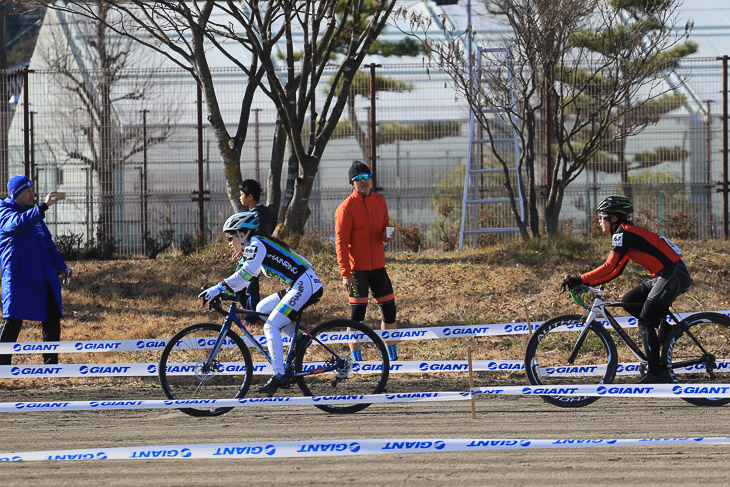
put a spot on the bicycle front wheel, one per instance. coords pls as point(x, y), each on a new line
point(547, 358)
point(698, 352)
point(330, 348)
point(185, 376)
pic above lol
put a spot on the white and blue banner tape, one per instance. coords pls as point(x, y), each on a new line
point(236, 368)
point(609, 390)
point(402, 334)
point(10, 407)
point(613, 390)
point(263, 368)
point(160, 343)
point(343, 447)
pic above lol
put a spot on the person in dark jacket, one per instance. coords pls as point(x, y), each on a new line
point(31, 265)
point(250, 196)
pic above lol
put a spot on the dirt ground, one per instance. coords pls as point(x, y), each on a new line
point(496, 417)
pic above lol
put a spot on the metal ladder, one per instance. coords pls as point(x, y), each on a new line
point(484, 197)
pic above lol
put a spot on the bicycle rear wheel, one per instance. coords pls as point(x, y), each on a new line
point(689, 364)
point(548, 352)
point(349, 378)
point(183, 374)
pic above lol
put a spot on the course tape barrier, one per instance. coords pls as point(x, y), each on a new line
point(238, 368)
point(263, 368)
point(402, 334)
point(613, 390)
point(10, 407)
point(343, 447)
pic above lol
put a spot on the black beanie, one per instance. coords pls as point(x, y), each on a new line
point(357, 168)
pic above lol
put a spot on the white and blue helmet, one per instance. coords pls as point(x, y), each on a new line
point(245, 221)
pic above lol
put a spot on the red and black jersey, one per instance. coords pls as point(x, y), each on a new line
point(638, 245)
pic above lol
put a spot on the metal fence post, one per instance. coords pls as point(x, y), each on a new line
point(201, 185)
point(724, 148)
point(373, 126)
point(708, 167)
point(4, 95)
point(145, 224)
point(26, 124)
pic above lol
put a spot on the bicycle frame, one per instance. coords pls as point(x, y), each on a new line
point(599, 307)
point(232, 317)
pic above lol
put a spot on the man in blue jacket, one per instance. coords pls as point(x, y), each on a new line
point(30, 265)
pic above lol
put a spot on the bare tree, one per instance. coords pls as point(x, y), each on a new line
point(89, 79)
point(587, 86)
point(186, 32)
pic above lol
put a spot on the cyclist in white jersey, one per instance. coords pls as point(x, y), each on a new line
point(274, 258)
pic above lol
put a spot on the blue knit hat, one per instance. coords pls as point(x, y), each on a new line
point(17, 185)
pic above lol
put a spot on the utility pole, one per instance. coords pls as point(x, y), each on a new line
point(372, 126)
point(4, 97)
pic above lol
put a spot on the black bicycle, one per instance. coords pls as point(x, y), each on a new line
point(210, 361)
point(575, 349)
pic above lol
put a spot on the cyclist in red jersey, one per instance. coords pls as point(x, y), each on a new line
point(657, 255)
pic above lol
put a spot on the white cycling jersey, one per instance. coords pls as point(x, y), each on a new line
point(263, 254)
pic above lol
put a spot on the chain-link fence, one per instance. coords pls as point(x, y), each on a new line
point(131, 165)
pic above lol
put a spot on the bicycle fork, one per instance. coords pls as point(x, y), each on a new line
point(582, 336)
point(208, 366)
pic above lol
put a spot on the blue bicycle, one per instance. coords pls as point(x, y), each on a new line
point(210, 361)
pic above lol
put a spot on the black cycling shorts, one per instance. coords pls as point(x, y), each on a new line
point(378, 283)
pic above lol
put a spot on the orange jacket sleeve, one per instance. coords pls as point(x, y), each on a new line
point(343, 231)
point(611, 269)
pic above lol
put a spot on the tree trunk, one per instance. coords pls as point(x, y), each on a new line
point(289, 190)
point(273, 185)
point(232, 171)
point(552, 219)
point(623, 167)
point(298, 213)
point(533, 216)
point(553, 204)
point(360, 136)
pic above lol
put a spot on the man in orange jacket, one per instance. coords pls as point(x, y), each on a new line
point(360, 230)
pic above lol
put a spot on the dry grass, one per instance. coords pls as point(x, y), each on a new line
point(504, 283)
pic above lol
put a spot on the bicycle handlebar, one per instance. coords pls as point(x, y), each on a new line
point(577, 293)
point(216, 304)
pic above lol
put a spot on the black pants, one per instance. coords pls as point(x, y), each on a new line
point(657, 294)
point(250, 296)
point(51, 329)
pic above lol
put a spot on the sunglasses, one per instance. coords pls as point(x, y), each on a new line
point(605, 217)
point(230, 237)
point(362, 177)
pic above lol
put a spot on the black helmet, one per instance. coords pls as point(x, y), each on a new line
point(616, 205)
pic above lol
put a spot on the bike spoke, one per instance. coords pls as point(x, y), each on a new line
point(184, 375)
point(342, 376)
point(563, 352)
point(699, 353)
